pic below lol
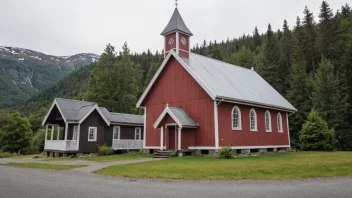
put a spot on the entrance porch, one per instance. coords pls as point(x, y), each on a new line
point(56, 138)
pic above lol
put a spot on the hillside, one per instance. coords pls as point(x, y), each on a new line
point(24, 72)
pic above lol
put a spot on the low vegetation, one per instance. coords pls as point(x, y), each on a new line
point(105, 150)
point(44, 166)
point(107, 158)
point(267, 167)
point(225, 152)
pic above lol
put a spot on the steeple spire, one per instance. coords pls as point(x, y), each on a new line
point(176, 3)
point(176, 23)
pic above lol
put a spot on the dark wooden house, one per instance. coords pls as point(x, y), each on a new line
point(74, 126)
point(199, 103)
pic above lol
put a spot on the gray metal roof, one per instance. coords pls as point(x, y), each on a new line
point(176, 23)
point(74, 110)
point(234, 82)
point(120, 118)
point(183, 117)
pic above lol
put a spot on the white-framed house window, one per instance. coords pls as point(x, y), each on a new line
point(138, 133)
point(268, 121)
point(279, 122)
point(236, 118)
point(92, 134)
point(75, 132)
point(253, 120)
point(116, 133)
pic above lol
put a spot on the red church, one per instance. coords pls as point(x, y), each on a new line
point(196, 103)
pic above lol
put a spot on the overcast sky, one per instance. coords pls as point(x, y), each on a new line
point(66, 27)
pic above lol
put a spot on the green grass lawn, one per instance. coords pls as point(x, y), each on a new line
point(270, 166)
point(109, 158)
point(44, 166)
point(28, 156)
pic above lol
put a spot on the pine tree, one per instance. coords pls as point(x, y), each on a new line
point(326, 97)
point(257, 41)
point(270, 72)
point(309, 40)
point(315, 134)
point(299, 93)
point(103, 81)
point(244, 58)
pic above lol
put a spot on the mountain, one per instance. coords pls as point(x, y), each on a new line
point(24, 72)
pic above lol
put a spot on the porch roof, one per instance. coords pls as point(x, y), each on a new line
point(179, 115)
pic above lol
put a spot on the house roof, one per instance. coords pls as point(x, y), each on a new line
point(176, 23)
point(77, 111)
point(179, 115)
point(223, 81)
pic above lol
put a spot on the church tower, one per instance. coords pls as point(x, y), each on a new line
point(177, 36)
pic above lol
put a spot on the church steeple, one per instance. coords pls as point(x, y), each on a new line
point(177, 35)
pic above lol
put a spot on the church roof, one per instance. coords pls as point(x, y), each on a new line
point(179, 115)
point(176, 23)
point(223, 81)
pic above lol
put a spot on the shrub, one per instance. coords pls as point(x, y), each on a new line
point(38, 140)
point(141, 151)
point(174, 153)
point(105, 150)
point(6, 155)
point(225, 152)
point(315, 134)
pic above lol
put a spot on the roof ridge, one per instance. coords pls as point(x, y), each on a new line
point(124, 113)
point(222, 61)
point(75, 100)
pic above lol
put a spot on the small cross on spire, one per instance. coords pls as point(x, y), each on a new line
point(176, 3)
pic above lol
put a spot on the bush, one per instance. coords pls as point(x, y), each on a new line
point(105, 150)
point(38, 140)
point(6, 155)
point(174, 153)
point(225, 152)
point(315, 134)
point(141, 151)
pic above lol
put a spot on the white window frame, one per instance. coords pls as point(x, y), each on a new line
point(255, 120)
point(266, 129)
point(279, 124)
point(95, 134)
point(75, 133)
point(114, 131)
point(239, 127)
point(140, 133)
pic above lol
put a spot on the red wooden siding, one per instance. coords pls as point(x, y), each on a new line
point(173, 45)
point(183, 47)
point(187, 138)
point(245, 137)
point(176, 87)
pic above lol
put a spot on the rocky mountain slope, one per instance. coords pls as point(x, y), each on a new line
point(24, 72)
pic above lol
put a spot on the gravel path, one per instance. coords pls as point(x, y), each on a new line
point(25, 182)
point(92, 166)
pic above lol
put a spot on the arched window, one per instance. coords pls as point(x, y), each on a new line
point(253, 120)
point(267, 121)
point(236, 118)
point(279, 122)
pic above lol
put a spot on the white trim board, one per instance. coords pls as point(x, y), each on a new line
point(240, 147)
point(185, 66)
point(99, 111)
point(51, 108)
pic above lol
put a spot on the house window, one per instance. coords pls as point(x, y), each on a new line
point(253, 120)
point(236, 118)
point(267, 121)
point(279, 122)
point(137, 132)
point(116, 132)
point(75, 132)
point(92, 134)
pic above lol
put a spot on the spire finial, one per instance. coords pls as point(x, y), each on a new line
point(176, 3)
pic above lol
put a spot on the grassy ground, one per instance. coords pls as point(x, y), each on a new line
point(109, 158)
point(270, 166)
point(44, 166)
point(27, 156)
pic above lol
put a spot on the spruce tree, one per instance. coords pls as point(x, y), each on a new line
point(316, 135)
point(270, 71)
point(299, 93)
point(256, 38)
point(286, 46)
point(244, 58)
point(326, 97)
point(309, 42)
